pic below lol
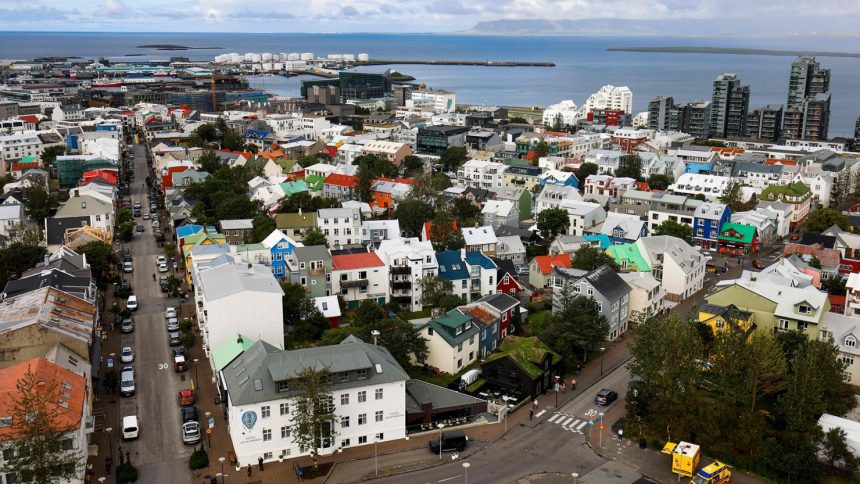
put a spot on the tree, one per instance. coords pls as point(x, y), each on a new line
point(558, 123)
point(465, 212)
point(209, 162)
point(428, 186)
point(675, 229)
point(449, 301)
point(659, 181)
point(36, 449)
point(630, 166)
point(433, 288)
point(207, 132)
point(824, 218)
point(552, 222)
point(589, 258)
point(101, 258)
point(733, 197)
point(452, 158)
point(585, 170)
point(397, 336)
point(576, 327)
point(314, 236)
point(170, 250)
point(314, 416)
point(17, 258)
point(444, 234)
point(309, 323)
point(837, 452)
point(262, 227)
point(518, 120)
point(50, 154)
point(412, 214)
point(815, 262)
point(541, 150)
point(199, 459)
point(371, 167)
point(411, 165)
point(37, 203)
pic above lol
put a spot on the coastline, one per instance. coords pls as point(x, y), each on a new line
point(733, 51)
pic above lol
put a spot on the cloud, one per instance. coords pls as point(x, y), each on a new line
point(15, 11)
point(113, 8)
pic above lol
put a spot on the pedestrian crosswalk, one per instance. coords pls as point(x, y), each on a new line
point(568, 422)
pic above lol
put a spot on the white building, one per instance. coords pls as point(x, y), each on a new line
point(452, 341)
point(242, 298)
point(341, 226)
point(359, 276)
point(481, 174)
point(679, 267)
point(368, 386)
point(845, 332)
point(711, 186)
point(552, 196)
point(16, 146)
point(437, 100)
point(583, 215)
point(646, 295)
point(565, 109)
point(408, 262)
point(89, 205)
point(609, 97)
point(11, 217)
point(500, 212)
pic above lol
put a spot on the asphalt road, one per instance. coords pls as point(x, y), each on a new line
point(159, 454)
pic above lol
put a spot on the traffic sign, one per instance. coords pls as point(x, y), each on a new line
point(602, 426)
point(209, 431)
point(110, 362)
point(211, 422)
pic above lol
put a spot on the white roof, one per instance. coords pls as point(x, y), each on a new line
point(409, 247)
point(231, 279)
point(785, 297)
point(841, 327)
point(10, 211)
point(237, 224)
point(321, 167)
point(480, 235)
point(851, 428)
point(631, 224)
point(275, 238)
point(510, 244)
point(685, 256)
point(501, 208)
point(328, 306)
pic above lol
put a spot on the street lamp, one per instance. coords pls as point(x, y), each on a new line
point(466, 470)
point(575, 476)
point(602, 350)
point(208, 435)
point(440, 427)
point(197, 378)
point(110, 443)
point(221, 460)
point(601, 429)
point(375, 456)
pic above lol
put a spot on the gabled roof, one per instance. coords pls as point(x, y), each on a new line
point(745, 233)
point(475, 258)
point(527, 353)
point(502, 302)
point(546, 262)
point(341, 180)
point(230, 349)
point(451, 265)
point(361, 260)
point(232, 279)
point(479, 235)
point(607, 282)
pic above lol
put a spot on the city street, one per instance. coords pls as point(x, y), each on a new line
point(159, 453)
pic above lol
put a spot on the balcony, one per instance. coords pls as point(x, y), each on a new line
point(320, 271)
point(355, 283)
point(401, 285)
point(400, 270)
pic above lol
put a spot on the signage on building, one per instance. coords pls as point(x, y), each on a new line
point(249, 419)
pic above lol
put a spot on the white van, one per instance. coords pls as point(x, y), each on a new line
point(130, 429)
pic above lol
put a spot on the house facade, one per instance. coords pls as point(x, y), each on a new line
point(707, 222)
point(359, 276)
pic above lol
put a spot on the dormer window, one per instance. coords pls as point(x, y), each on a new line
point(362, 374)
point(804, 309)
point(458, 330)
point(850, 342)
point(283, 386)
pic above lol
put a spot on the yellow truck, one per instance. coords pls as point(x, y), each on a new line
point(685, 457)
point(714, 473)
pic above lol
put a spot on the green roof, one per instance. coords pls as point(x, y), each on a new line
point(745, 233)
point(305, 220)
point(786, 193)
point(293, 187)
point(453, 319)
point(447, 325)
point(526, 352)
point(516, 162)
point(230, 349)
point(314, 182)
point(29, 159)
point(285, 164)
point(631, 254)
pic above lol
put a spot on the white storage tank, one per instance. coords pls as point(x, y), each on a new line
point(335, 57)
point(266, 56)
point(293, 57)
point(349, 57)
point(267, 66)
point(278, 66)
point(237, 58)
point(363, 57)
point(249, 56)
point(306, 56)
point(256, 58)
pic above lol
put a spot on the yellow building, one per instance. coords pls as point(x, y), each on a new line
point(720, 318)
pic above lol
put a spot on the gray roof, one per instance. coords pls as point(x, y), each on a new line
point(607, 282)
point(229, 279)
point(752, 167)
point(83, 205)
point(502, 302)
point(419, 393)
point(55, 228)
point(237, 224)
point(251, 377)
point(312, 252)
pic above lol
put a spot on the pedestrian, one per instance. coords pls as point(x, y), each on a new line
point(260, 461)
point(535, 403)
point(108, 463)
point(563, 386)
point(153, 276)
point(531, 413)
point(573, 384)
point(250, 471)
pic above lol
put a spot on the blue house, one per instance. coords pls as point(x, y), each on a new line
point(600, 241)
point(453, 268)
point(558, 177)
point(708, 222)
point(623, 228)
point(282, 247)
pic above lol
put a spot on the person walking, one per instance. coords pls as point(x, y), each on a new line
point(563, 386)
point(260, 462)
point(153, 276)
point(573, 384)
point(250, 471)
point(531, 413)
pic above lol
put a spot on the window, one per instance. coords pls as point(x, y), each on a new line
point(301, 265)
point(850, 342)
point(344, 443)
point(460, 347)
point(460, 363)
point(429, 331)
point(378, 394)
point(267, 435)
point(285, 409)
point(344, 376)
point(265, 411)
point(783, 324)
point(379, 415)
point(362, 439)
point(343, 277)
point(285, 432)
point(362, 418)
point(304, 281)
point(379, 436)
point(589, 290)
point(846, 376)
point(344, 422)
point(362, 275)
point(362, 374)
point(283, 386)
point(804, 309)
point(848, 359)
point(362, 396)
point(599, 306)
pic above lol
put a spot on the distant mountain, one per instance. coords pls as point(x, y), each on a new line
point(670, 27)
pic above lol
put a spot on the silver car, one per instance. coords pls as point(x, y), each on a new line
point(191, 433)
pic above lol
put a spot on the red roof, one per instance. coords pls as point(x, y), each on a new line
point(69, 388)
point(342, 180)
point(547, 262)
point(773, 161)
point(29, 118)
point(407, 181)
point(836, 299)
point(105, 175)
point(355, 261)
point(330, 150)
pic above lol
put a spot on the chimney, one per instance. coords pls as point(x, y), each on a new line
point(47, 260)
point(239, 339)
point(375, 334)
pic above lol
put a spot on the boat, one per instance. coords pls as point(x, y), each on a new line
point(103, 82)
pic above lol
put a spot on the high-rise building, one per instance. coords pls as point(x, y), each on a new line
point(811, 121)
point(729, 106)
point(765, 123)
point(857, 135)
point(807, 79)
point(658, 112)
point(693, 118)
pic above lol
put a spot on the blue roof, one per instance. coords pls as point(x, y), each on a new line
point(475, 258)
point(451, 265)
point(187, 230)
point(603, 239)
point(256, 134)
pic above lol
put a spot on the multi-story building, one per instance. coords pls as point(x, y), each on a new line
point(434, 140)
point(310, 267)
point(390, 150)
point(693, 118)
point(603, 285)
point(729, 106)
point(707, 223)
point(408, 261)
point(13, 147)
point(810, 120)
point(797, 196)
point(659, 112)
point(437, 100)
point(452, 341)
point(363, 85)
point(710, 186)
point(281, 247)
point(844, 332)
point(359, 276)
point(807, 78)
point(236, 231)
point(481, 174)
point(679, 267)
point(480, 239)
point(341, 226)
point(261, 385)
point(765, 123)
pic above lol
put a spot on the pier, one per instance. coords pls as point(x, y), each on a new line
point(379, 62)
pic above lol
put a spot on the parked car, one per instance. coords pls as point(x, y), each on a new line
point(126, 325)
point(180, 351)
point(126, 258)
point(172, 324)
point(605, 397)
point(757, 264)
point(170, 312)
point(163, 283)
point(140, 228)
point(453, 440)
point(161, 260)
point(126, 381)
point(179, 364)
point(146, 216)
point(127, 267)
point(130, 429)
point(127, 354)
point(131, 304)
point(191, 433)
point(707, 255)
point(162, 268)
point(189, 413)
point(155, 224)
point(186, 397)
point(137, 205)
point(173, 338)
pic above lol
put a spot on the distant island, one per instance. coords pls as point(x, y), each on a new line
point(733, 50)
point(173, 47)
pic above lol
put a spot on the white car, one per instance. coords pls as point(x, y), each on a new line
point(131, 304)
point(155, 224)
point(170, 312)
point(707, 255)
point(161, 260)
point(146, 216)
point(130, 429)
point(127, 354)
point(162, 267)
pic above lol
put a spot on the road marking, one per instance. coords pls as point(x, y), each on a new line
point(566, 420)
point(583, 424)
point(591, 413)
point(568, 427)
point(554, 417)
point(540, 413)
point(450, 478)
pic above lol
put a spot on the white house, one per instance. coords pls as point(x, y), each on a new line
point(481, 174)
point(565, 111)
point(99, 211)
point(452, 341)
point(510, 247)
point(11, 217)
point(679, 267)
point(711, 186)
point(500, 212)
point(243, 298)
point(341, 226)
point(368, 387)
point(845, 332)
point(646, 295)
point(408, 262)
point(359, 276)
point(482, 239)
point(13, 147)
point(552, 196)
point(583, 215)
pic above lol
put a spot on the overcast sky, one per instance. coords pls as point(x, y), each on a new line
point(381, 15)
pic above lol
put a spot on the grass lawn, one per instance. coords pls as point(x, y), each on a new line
point(535, 322)
point(441, 379)
point(424, 313)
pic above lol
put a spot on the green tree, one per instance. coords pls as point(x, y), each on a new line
point(433, 288)
point(17, 258)
point(733, 197)
point(576, 328)
point(541, 150)
point(207, 132)
point(824, 218)
point(50, 154)
point(412, 214)
point(126, 231)
point(411, 165)
point(124, 215)
point(558, 123)
point(836, 451)
point(659, 181)
point(209, 161)
point(518, 120)
point(263, 226)
point(585, 170)
point(428, 186)
point(444, 234)
point(452, 158)
point(371, 167)
point(199, 459)
point(675, 229)
point(170, 250)
point(397, 336)
point(36, 447)
point(314, 416)
point(309, 322)
point(101, 258)
point(314, 236)
point(449, 301)
point(37, 203)
point(815, 262)
point(465, 212)
point(589, 258)
point(630, 166)
point(552, 222)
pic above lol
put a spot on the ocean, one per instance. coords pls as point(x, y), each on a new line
point(583, 64)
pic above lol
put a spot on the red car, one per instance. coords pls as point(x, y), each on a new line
point(186, 397)
point(757, 264)
point(794, 237)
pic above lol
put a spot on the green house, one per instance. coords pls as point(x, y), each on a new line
point(736, 239)
point(293, 187)
point(628, 257)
